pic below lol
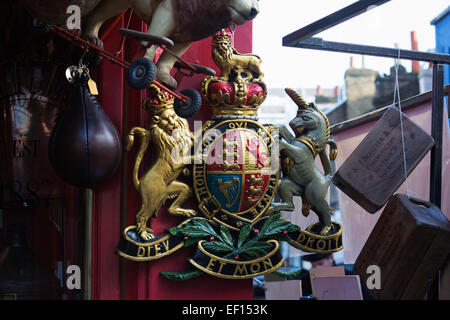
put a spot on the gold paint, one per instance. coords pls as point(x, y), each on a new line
point(200, 174)
point(245, 69)
point(253, 179)
point(253, 270)
point(225, 186)
point(257, 190)
point(170, 137)
point(163, 240)
point(157, 249)
point(210, 264)
point(321, 247)
point(310, 242)
point(141, 252)
point(302, 237)
point(241, 269)
point(265, 260)
point(267, 263)
point(309, 143)
point(227, 166)
point(228, 58)
point(221, 266)
point(143, 258)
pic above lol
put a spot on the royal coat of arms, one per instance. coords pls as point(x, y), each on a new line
point(236, 167)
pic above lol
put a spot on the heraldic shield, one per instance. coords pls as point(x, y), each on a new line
point(238, 179)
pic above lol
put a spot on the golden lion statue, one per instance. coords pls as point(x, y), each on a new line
point(171, 138)
point(228, 59)
point(180, 20)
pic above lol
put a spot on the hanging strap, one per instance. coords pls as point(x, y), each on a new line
point(397, 96)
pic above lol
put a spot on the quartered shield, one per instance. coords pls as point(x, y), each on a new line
point(238, 178)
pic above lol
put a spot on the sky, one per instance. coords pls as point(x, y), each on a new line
point(386, 25)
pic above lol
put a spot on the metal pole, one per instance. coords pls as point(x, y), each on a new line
point(332, 20)
point(436, 131)
point(333, 46)
point(437, 119)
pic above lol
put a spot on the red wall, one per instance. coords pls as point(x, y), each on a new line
point(142, 280)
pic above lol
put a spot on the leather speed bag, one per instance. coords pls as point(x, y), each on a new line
point(84, 148)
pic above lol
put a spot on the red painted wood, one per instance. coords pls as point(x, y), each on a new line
point(136, 117)
point(143, 280)
point(107, 198)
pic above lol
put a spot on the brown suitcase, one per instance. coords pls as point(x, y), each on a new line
point(410, 243)
point(375, 170)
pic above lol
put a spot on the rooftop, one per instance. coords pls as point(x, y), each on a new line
point(441, 16)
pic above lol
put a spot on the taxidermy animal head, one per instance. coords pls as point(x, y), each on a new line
point(180, 20)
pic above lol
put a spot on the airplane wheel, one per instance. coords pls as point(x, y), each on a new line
point(141, 73)
point(189, 108)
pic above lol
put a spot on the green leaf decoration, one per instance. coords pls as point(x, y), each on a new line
point(293, 228)
point(181, 275)
point(277, 227)
point(226, 236)
point(199, 229)
point(217, 246)
point(195, 232)
point(268, 224)
point(190, 242)
point(243, 235)
point(203, 225)
point(288, 275)
point(256, 249)
point(175, 231)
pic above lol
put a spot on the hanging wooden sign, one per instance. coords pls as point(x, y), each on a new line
point(409, 244)
point(375, 169)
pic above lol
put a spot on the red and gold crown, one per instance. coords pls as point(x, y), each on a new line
point(158, 100)
point(239, 90)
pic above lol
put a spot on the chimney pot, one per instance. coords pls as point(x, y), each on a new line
point(415, 46)
point(319, 90)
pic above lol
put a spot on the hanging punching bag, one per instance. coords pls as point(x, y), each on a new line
point(84, 148)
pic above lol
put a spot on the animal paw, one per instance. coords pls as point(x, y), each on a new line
point(146, 235)
point(184, 212)
point(190, 213)
point(325, 230)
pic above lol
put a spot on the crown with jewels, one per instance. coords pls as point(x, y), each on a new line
point(239, 90)
point(158, 100)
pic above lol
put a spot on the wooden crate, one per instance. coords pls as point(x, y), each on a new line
point(375, 170)
point(410, 243)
